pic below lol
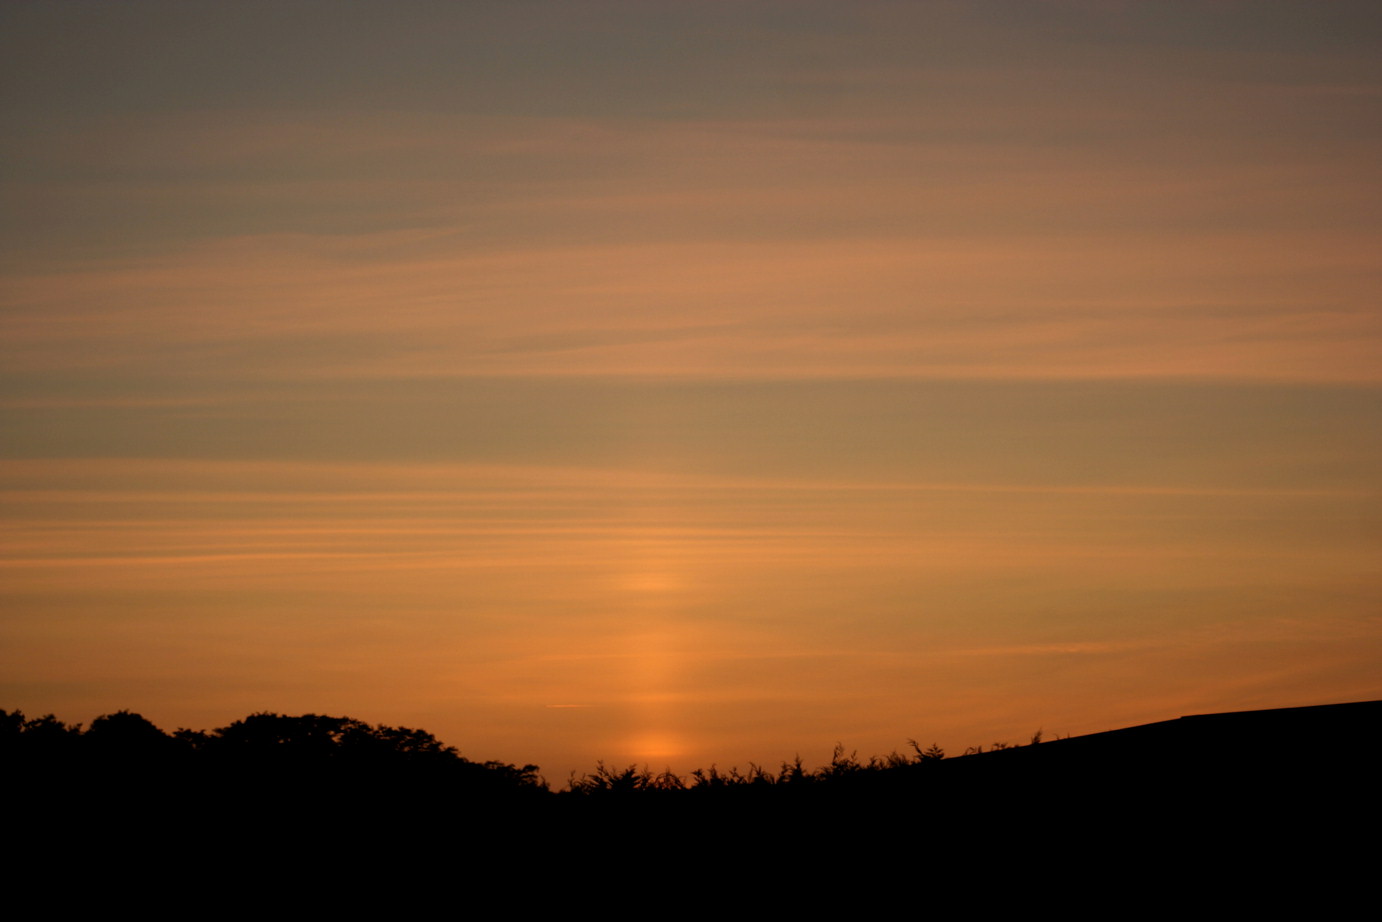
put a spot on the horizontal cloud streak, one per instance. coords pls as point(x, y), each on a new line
point(287, 309)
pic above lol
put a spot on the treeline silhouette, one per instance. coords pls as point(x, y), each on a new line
point(264, 758)
point(315, 756)
point(268, 750)
point(271, 796)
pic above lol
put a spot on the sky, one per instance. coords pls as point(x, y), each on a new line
point(679, 383)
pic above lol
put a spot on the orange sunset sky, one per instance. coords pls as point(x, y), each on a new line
point(690, 382)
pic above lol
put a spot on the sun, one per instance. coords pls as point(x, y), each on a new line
point(656, 745)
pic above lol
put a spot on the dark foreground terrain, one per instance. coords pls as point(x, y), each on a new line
point(1279, 801)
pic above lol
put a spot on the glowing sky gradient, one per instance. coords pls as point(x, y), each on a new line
point(690, 382)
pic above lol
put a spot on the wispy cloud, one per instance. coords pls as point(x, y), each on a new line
point(289, 308)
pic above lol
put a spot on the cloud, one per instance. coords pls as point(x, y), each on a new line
point(285, 307)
